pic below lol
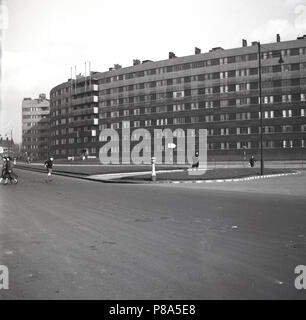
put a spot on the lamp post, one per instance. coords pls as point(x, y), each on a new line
point(260, 111)
point(280, 61)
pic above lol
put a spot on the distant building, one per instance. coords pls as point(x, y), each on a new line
point(35, 127)
point(217, 90)
point(8, 147)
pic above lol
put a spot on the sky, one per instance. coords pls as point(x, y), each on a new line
point(42, 40)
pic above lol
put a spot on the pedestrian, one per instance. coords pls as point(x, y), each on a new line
point(195, 160)
point(252, 161)
point(3, 172)
point(10, 175)
point(49, 166)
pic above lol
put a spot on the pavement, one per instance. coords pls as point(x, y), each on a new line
point(76, 239)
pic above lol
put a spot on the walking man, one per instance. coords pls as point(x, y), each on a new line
point(252, 161)
point(49, 166)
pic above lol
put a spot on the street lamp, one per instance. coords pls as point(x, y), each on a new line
point(280, 61)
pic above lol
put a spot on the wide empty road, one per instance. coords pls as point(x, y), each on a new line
point(74, 239)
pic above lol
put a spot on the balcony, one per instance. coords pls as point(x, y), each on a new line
point(85, 100)
point(91, 88)
point(85, 122)
point(87, 111)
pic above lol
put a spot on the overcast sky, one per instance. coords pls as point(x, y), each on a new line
point(42, 39)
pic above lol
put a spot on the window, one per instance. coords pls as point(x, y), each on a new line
point(178, 94)
point(102, 126)
point(224, 145)
point(242, 101)
point(136, 124)
point(243, 116)
point(148, 123)
point(126, 112)
point(114, 125)
point(209, 118)
point(287, 113)
point(224, 75)
point(285, 67)
point(243, 130)
point(224, 131)
point(294, 52)
point(268, 99)
point(178, 120)
point(303, 96)
point(286, 98)
point(114, 114)
point(194, 119)
point(244, 145)
point(287, 128)
point(287, 144)
point(178, 107)
point(223, 89)
point(136, 112)
point(302, 112)
point(242, 86)
point(223, 61)
point(209, 104)
point(161, 122)
point(194, 106)
point(224, 117)
point(224, 103)
point(268, 114)
point(125, 124)
point(147, 110)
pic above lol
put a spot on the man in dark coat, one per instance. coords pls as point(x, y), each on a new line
point(252, 161)
point(49, 166)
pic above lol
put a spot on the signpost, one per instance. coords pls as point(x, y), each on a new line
point(153, 162)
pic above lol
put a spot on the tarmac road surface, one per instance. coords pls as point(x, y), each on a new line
point(75, 239)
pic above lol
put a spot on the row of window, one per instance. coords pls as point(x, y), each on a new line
point(195, 93)
point(209, 76)
point(34, 109)
point(207, 118)
point(205, 63)
point(224, 146)
point(73, 88)
point(183, 107)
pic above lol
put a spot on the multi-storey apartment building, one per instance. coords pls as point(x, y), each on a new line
point(217, 90)
point(35, 127)
point(75, 117)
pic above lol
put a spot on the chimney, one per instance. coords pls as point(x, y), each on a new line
point(117, 66)
point(197, 50)
point(254, 43)
point(278, 38)
point(244, 43)
point(172, 55)
point(136, 62)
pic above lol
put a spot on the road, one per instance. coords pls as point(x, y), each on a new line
point(75, 239)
